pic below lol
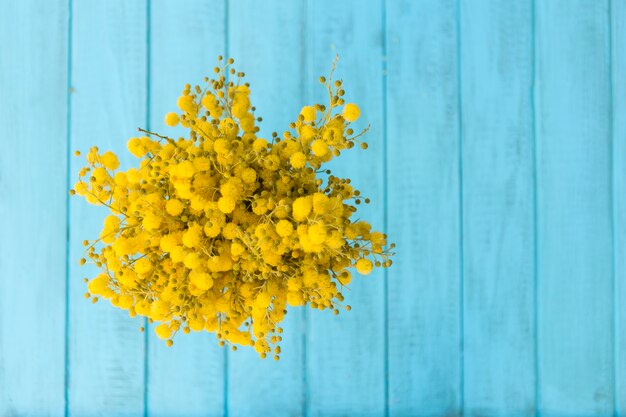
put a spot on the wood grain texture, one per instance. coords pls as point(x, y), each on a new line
point(423, 202)
point(345, 353)
point(574, 209)
point(497, 131)
point(33, 203)
point(187, 379)
point(108, 104)
point(618, 81)
point(265, 41)
point(495, 113)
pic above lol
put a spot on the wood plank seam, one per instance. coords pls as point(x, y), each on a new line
point(68, 139)
point(461, 248)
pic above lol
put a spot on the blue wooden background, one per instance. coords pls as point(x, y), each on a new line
point(497, 163)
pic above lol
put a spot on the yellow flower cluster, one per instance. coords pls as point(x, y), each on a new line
point(221, 230)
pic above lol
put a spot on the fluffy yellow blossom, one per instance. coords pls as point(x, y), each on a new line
point(308, 113)
point(351, 112)
point(174, 207)
point(109, 161)
point(364, 266)
point(298, 160)
point(320, 148)
point(301, 208)
point(163, 331)
point(226, 204)
point(284, 228)
point(171, 119)
point(221, 230)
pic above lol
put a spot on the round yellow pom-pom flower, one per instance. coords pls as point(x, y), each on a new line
point(301, 208)
point(109, 161)
point(222, 230)
point(364, 266)
point(320, 148)
point(163, 331)
point(248, 175)
point(308, 113)
point(298, 160)
point(351, 112)
point(284, 228)
point(171, 119)
point(226, 204)
point(174, 207)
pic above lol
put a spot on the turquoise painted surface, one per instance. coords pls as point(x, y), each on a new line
point(497, 163)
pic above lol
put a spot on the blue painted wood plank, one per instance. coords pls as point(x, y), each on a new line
point(350, 347)
point(498, 206)
point(618, 79)
point(423, 202)
point(574, 209)
point(108, 104)
point(188, 378)
point(33, 204)
point(265, 41)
